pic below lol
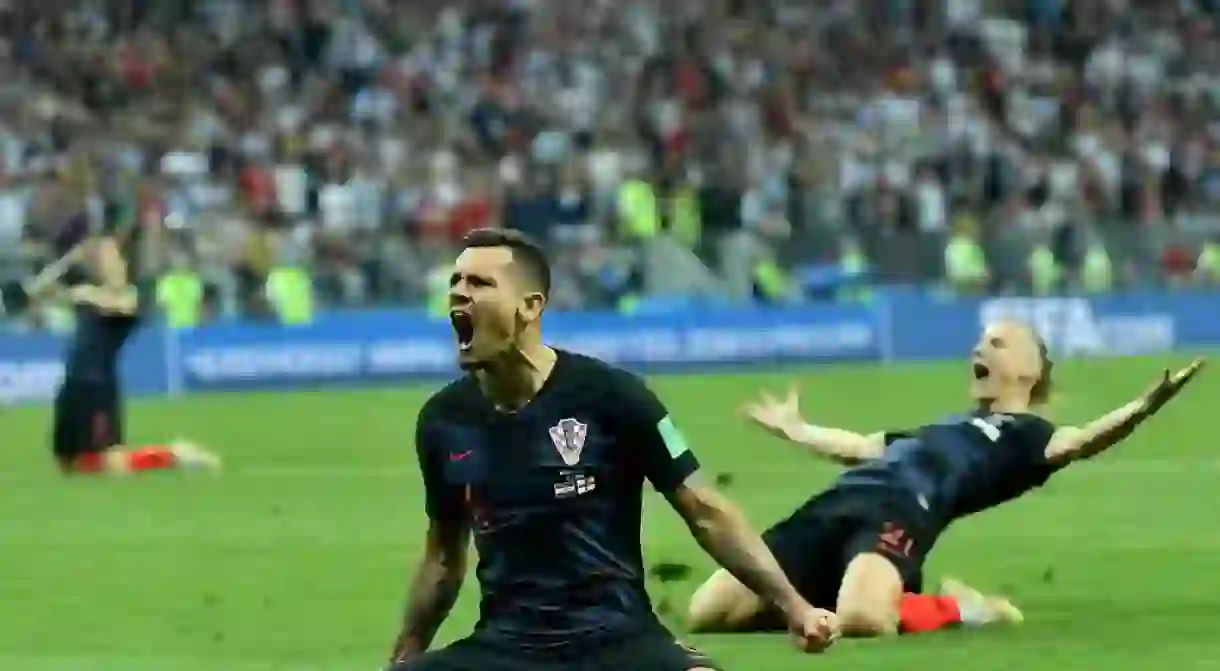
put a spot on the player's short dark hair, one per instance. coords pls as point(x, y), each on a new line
point(527, 254)
point(1041, 391)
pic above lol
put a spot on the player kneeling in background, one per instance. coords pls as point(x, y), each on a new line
point(88, 424)
point(542, 455)
point(859, 547)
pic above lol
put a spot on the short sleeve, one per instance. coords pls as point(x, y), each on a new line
point(663, 453)
point(441, 501)
point(895, 436)
point(1029, 438)
point(1034, 435)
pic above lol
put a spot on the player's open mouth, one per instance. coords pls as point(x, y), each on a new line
point(463, 328)
point(981, 371)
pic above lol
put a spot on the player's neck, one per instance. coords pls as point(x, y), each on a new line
point(511, 383)
point(1013, 405)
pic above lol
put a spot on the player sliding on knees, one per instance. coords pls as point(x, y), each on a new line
point(88, 423)
point(542, 455)
point(859, 546)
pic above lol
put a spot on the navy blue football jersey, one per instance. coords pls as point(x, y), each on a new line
point(97, 343)
point(963, 464)
point(553, 496)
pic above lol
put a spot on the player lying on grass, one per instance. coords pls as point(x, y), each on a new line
point(859, 547)
point(88, 424)
point(542, 455)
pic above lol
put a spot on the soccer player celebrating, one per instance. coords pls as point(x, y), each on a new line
point(859, 547)
point(542, 455)
point(88, 426)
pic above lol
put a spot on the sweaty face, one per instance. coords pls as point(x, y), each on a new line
point(1005, 361)
point(484, 300)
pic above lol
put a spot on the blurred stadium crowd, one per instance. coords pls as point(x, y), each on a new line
point(741, 150)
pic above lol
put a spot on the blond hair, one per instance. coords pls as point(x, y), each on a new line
point(1040, 393)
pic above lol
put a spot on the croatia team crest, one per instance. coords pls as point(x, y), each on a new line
point(569, 438)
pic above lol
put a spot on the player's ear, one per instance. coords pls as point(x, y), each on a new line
point(532, 305)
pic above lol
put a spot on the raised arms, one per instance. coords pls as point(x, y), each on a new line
point(782, 417)
point(1070, 443)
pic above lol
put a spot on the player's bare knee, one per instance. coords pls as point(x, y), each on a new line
point(721, 604)
point(709, 608)
point(867, 620)
point(869, 596)
point(866, 616)
point(710, 618)
point(702, 617)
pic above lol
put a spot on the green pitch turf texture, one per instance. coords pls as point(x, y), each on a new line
point(297, 556)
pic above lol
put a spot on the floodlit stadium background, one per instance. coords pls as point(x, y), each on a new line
point(837, 191)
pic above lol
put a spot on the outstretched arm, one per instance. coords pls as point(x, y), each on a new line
point(1070, 443)
point(783, 418)
point(838, 445)
point(49, 277)
point(123, 300)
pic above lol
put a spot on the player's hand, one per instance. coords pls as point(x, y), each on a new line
point(82, 293)
point(397, 660)
point(403, 651)
point(1169, 386)
point(813, 629)
point(778, 416)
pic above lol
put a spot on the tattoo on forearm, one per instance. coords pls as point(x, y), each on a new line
point(1112, 429)
point(433, 595)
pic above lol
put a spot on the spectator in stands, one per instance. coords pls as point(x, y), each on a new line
point(966, 268)
point(574, 210)
point(1207, 267)
point(377, 132)
point(289, 289)
point(180, 292)
point(1045, 271)
point(1096, 269)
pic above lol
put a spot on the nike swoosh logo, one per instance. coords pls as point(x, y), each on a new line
point(459, 456)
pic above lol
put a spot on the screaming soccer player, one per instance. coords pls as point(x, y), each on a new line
point(542, 454)
point(859, 546)
point(88, 424)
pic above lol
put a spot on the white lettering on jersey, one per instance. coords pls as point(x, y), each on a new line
point(992, 432)
point(991, 425)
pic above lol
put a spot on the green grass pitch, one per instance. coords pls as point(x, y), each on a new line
point(297, 557)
